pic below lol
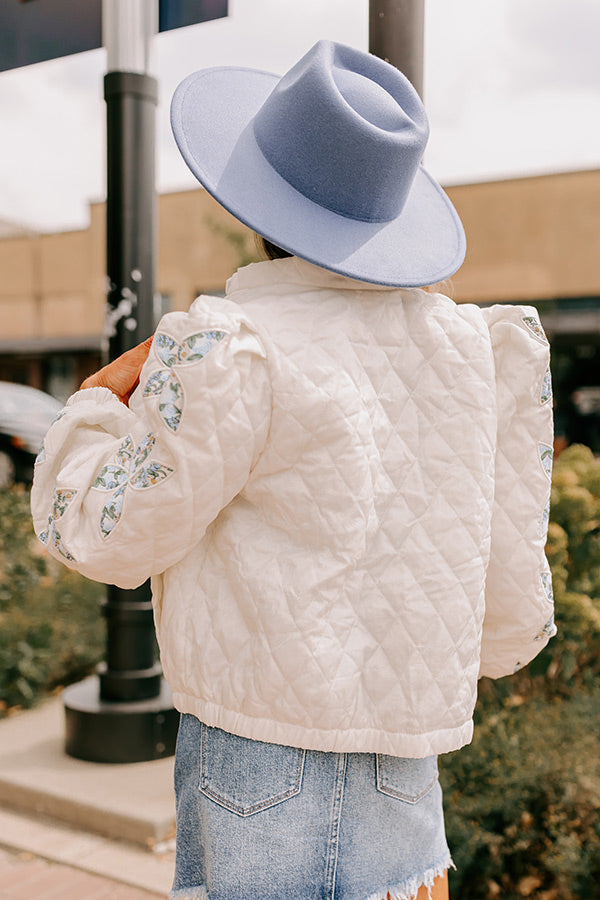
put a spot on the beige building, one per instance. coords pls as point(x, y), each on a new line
point(530, 238)
point(537, 241)
point(533, 240)
point(52, 286)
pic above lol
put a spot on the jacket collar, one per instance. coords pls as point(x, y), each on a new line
point(293, 270)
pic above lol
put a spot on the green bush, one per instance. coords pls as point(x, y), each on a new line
point(523, 800)
point(51, 629)
point(572, 658)
point(575, 508)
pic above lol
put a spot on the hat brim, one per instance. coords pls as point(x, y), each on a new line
point(211, 116)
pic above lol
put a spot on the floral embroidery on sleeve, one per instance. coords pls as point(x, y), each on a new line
point(165, 383)
point(545, 519)
point(40, 458)
point(546, 393)
point(547, 585)
point(546, 454)
point(128, 471)
point(535, 327)
point(59, 415)
point(51, 537)
point(549, 629)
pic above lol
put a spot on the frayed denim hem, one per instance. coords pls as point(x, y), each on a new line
point(409, 889)
point(406, 891)
point(196, 892)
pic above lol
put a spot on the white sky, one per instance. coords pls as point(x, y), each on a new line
point(512, 87)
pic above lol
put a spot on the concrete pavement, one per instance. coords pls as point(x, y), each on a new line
point(24, 877)
point(113, 822)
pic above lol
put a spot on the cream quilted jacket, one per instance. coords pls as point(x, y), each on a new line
point(341, 494)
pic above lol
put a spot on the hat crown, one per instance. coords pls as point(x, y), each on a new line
point(324, 162)
point(369, 100)
point(346, 130)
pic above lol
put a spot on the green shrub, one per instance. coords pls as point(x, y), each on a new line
point(51, 630)
point(523, 800)
point(575, 507)
point(572, 659)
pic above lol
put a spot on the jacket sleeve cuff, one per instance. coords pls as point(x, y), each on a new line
point(95, 394)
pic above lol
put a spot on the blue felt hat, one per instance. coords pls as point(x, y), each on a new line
point(324, 162)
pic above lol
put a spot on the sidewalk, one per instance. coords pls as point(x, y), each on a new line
point(63, 820)
point(26, 877)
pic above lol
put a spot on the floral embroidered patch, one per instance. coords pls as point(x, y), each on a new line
point(546, 454)
point(549, 630)
point(51, 537)
point(128, 471)
point(547, 585)
point(535, 327)
point(165, 383)
point(42, 454)
point(545, 519)
point(546, 394)
point(59, 415)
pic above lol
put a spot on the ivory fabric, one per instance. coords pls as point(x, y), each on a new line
point(341, 493)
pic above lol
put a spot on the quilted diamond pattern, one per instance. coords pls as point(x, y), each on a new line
point(354, 526)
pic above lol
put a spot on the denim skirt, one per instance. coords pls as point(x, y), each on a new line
point(258, 821)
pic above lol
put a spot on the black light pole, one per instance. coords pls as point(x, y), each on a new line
point(125, 713)
point(396, 30)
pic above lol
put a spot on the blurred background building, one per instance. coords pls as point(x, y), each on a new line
point(531, 240)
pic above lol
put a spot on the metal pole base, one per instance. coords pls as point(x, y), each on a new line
point(130, 686)
point(105, 732)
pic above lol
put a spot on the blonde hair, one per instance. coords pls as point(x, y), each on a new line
point(269, 250)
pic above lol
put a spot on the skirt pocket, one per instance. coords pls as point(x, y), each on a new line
point(405, 779)
point(245, 776)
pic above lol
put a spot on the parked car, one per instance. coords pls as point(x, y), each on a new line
point(25, 416)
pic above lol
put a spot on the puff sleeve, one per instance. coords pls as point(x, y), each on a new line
point(122, 493)
point(519, 613)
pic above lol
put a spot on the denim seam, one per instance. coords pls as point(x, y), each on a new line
point(244, 811)
point(334, 831)
point(405, 798)
point(383, 788)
